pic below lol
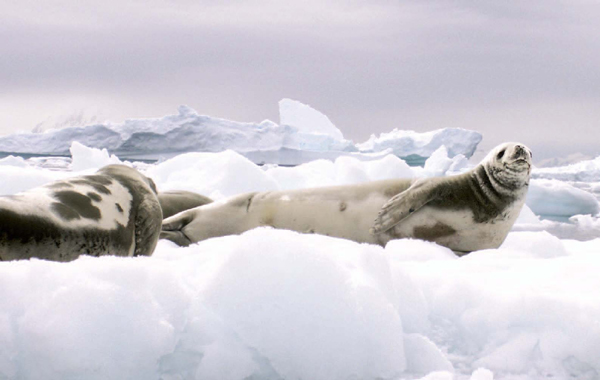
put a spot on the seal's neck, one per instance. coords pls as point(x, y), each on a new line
point(502, 183)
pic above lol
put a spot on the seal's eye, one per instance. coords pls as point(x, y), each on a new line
point(501, 154)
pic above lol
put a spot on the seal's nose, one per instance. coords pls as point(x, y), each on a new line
point(519, 149)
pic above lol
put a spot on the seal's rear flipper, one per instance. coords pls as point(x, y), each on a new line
point(177, 237)
point(172, 228)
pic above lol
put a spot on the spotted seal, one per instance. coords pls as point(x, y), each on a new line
point(470, 211)
point(112, 212)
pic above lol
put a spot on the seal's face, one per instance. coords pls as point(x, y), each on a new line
point(510, 164)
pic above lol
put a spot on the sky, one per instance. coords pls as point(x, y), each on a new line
point(525, 71)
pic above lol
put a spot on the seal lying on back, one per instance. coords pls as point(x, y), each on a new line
point(471, 211)
point(175, 201)
point(113, 212)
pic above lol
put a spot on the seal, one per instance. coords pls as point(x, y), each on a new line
point(112, 212)
point(470, 211)
point(176, 201)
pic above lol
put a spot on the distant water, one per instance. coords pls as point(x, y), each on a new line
point(147, 160)
point(289, 159)
point(30, 155)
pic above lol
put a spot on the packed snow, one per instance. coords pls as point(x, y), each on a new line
point(304, 134)
point(276, 304)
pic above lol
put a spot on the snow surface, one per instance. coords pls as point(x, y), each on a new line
point(304, 134)
point(276, 304)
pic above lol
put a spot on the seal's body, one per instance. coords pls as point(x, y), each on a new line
point(470, 211)
point(176, 201)
point(113, 212)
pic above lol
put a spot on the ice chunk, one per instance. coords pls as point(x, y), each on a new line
point(439, 164)
point(306, 119)
point(552, 198)
point(84, 158)
point(13, 161)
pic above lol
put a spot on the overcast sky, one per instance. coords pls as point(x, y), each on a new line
point(524, 71)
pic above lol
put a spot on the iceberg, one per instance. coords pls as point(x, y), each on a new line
point(416, 147)
point(303, 135)
point(58, 142)
point(584, 171)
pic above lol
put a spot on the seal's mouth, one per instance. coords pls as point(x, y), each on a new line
point(519, 164)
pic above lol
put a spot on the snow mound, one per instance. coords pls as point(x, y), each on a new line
point(216, 175)
point(275, 304)
point(343, 171)
point(193, 312)
point(17, 179)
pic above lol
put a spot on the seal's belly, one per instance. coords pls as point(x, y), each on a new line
point(453, 229)
point(340, 216)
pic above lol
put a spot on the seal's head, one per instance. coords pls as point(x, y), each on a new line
point(123, 170)
point(509, 164)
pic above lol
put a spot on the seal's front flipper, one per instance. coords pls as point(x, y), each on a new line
point(402, 205)
point(172, 228)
